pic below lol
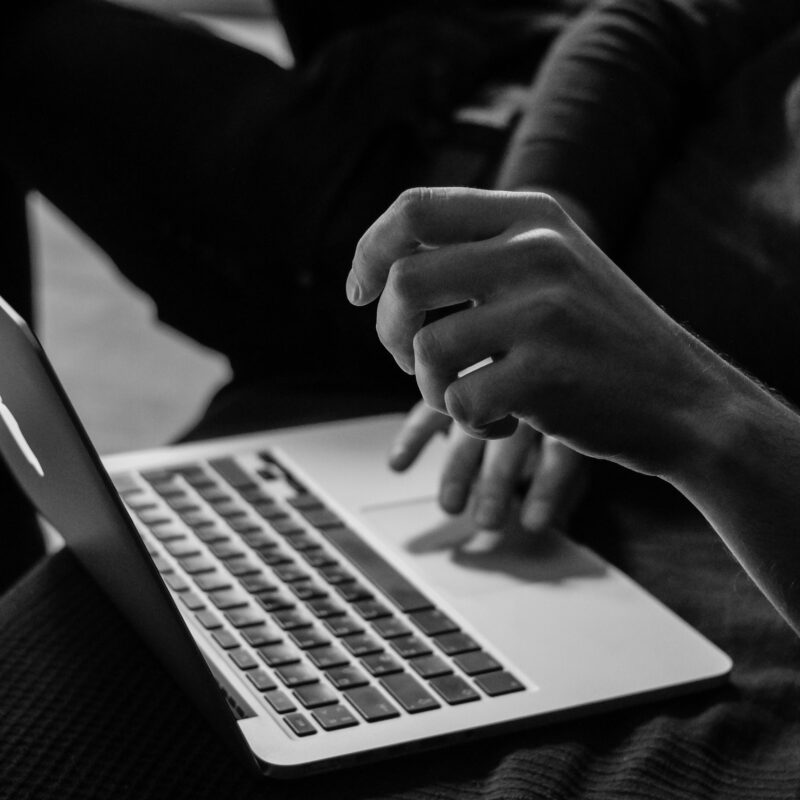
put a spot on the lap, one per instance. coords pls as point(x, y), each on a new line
point(86, 710)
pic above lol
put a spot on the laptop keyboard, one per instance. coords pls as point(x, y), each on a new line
point(327, 632)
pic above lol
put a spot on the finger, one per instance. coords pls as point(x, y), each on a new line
point(503, 463)
point(460, 470)
point(434, 217)
point(428, 281)
point(483, 402)
point(557, 485)
point(453, 345)
point(419, 426)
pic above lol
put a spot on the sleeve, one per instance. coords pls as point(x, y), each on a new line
point(611, 100)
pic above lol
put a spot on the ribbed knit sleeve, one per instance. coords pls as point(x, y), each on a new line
point(621, 85)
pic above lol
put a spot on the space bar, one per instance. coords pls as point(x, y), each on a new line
point(397, 588)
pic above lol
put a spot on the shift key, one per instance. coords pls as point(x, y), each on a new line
point(371, 704)
point(409, 693)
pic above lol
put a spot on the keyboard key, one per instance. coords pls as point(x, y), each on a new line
point(433, 622)
point(381, 664)
point(197, 519)
point(301, 541)
point(225, 550)
point(228, 508)
point(291, 618)
point(194, 565)
point(176, 583)
point(352, 591)
point(320, 517)
point(430, 666)
point(453, 643)
point(257, 539)
point(261, 679)
point(391, 628)
point(257, 584)
point(476, 662)
point(275, 601)
point(289, 573)
point(361, 644)
point(332, 718)
point(225, 639)
point(262, 635)
point(276, 655)
point(306, 638)
point(162, 565)
point(343, 625)
point(273, 556)
point(230, 470)
point(316, 695)
point(168, 531)
point(180, 548)
point(180, 501)
point(242, 566)
point(327, 657)
point(243, 524)
point(408, 692)
point(308, 590)
point(213, 581)
point(243, 659)
point(496, 683)
point(394, 585)
point(228, 598)
point(324, 607)
point(304, 501)
point(300, 725)
point(255, 495)
point(410, 646)
point(371, 609)
point(245, 617)
point(347, 677)
point(209, 534)
point(208, 619)
point(296, 675)
point(285, 525)
point(125, 482)
point(192, 601)
point(319, 558)
point(153, 516)
point(280, 701)
point(371, 703)
point(270, 510)
point(454, 689)
point(336, 574)
point(213, 494)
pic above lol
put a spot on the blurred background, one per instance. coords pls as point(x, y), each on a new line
point(133, 382)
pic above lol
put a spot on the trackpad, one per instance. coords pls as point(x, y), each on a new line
point(461, 561)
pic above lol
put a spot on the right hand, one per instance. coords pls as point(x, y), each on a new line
point(487, 477)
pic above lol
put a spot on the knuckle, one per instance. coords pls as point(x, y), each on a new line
point(413, 204)
point(402, 281)
point(429, 349)
point(544, 205)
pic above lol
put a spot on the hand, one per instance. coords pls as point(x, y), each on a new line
point(487, 476)
point(577, 350)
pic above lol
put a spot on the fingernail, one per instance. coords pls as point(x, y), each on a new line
point(536, 517)
point(451, 498)
point(353, 288)
point(487, 515)
point(397, 456)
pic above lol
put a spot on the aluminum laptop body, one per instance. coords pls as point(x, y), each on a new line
point(404, 631)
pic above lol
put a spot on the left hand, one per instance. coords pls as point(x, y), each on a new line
point(487, 476)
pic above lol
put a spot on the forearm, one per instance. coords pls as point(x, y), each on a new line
point(744, 476)
point(610, 102)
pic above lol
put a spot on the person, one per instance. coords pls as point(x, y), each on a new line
point(231, 190)
point(679, 168)
point(578, 352)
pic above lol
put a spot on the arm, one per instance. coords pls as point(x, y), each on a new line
point(611, 100)
point(580, 353)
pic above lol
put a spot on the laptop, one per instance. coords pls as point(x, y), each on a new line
point(321, 610)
